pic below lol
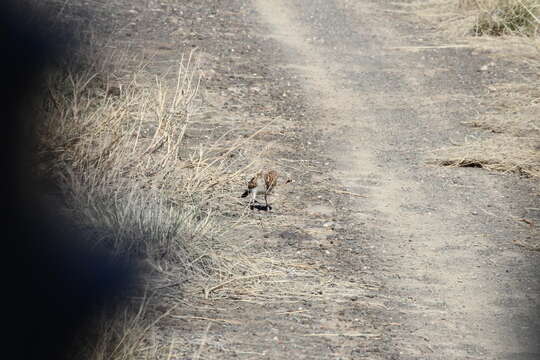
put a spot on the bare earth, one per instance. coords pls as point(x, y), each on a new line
point(423, 264)
point(443, 237)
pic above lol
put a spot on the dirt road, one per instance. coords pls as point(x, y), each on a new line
point(386, 256)
point(441, 238)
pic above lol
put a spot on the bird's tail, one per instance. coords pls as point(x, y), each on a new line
point(246, 193)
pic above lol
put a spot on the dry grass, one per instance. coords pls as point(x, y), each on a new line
point(114, 173)
point(116, 148)
point(482, 17)
point(504, 17)
point(512, 139)
point(510, 142)
point(114, 141)
point(504, 154)
point(459, 21)
point(132, 179)
point(508, 30)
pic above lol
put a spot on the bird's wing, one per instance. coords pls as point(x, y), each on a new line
point(252, 183)
point(270, 180)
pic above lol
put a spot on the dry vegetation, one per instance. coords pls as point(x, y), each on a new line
point(482, 17)
point(504, 17)
point(116, 149)
point(115, 139)
point(509, 30)
point(118, 145)
point(113, 149)
point(512, 142)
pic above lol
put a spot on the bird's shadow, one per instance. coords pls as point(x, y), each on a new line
point(260, 207)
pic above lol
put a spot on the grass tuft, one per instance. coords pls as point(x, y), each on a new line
point(505, 17)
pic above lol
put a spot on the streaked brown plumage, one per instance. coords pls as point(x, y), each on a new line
point(262, 183)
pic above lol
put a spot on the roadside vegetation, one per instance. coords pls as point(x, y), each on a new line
point(112, 142)
point(510, 129)
point(504, 17)
point(145, 173)
point(113, 147)
point(513, 124)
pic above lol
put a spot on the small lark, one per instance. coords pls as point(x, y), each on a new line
point(262, 183)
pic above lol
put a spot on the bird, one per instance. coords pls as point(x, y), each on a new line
point(262, 183)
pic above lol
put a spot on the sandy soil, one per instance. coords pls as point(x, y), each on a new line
point(406, 260)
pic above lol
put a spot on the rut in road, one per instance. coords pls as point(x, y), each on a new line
point(455, 280)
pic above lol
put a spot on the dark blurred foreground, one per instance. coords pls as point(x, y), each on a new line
point(55, 286)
